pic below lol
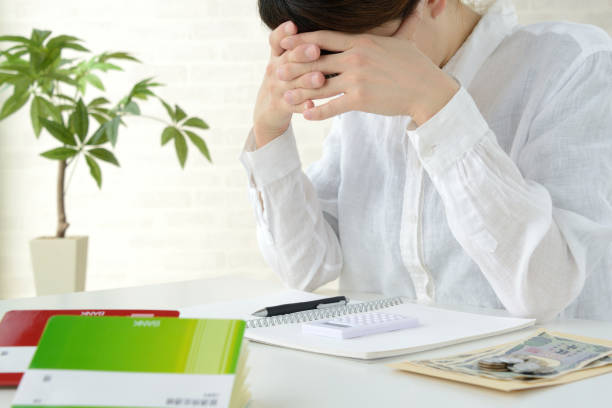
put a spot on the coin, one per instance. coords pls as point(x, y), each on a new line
point(525, 368)
point(511, 360)
point(545, 370)
point(492, 364)
point(492, 361)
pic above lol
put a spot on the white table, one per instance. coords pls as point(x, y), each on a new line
point(287, 378)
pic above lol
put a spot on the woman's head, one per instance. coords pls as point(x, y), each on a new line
point(437, 27)
point(351, 16)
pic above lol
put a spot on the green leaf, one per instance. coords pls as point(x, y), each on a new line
point(94, 80)
point(168, 134)
point(99, 137)
point(61, 153)
point(38, 36)
point(101, 111)
point(67, 98)
point(35, 113)
point(75, 46)
point(44, 60)
point(81, 120)
point(196, 122)
point(47, 86)
point(99, 118)
point(169, 110)
point(118, 55)
point(142, 90)
point(50, 109)
point(23, 70)
point(179, 113)
point(94, 170)
point(63, 77)
point(16, 38)
point(59, 132)
point(98, 101)
point(105, 155)
point(181, 148)
point(143, 95)
point(112, 130)
point(13, 104)
point(199, 143)
point(60, 40)
point(105, 66)
point(4, 78)
point(65, 108)
point(132, 108)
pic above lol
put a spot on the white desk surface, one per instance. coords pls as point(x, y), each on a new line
point(287, 378)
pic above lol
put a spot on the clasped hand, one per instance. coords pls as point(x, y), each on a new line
point(376, 74)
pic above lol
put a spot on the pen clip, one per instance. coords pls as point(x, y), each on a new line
point(328, 305)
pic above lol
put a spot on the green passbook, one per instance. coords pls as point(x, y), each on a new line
point(130, 362)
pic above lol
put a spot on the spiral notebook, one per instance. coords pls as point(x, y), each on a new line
point(437, 327)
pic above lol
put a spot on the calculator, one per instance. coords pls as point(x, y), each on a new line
point(358, 325)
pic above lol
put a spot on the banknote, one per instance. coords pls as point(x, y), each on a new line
point(544, 356)
point(599, 363)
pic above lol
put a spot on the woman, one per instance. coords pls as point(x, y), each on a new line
point(469, 161)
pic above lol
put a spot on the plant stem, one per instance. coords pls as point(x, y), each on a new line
point(62, 224)
point(73, 163)
point(148, 117)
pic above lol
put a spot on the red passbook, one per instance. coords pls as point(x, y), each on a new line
point(20, 331)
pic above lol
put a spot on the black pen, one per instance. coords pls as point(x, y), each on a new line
point(301, 306)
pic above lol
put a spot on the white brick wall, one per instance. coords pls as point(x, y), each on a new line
point(153, 222)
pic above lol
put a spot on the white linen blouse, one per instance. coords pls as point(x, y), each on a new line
point(502, 199)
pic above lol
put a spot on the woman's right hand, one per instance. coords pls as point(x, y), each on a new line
point(272, 114)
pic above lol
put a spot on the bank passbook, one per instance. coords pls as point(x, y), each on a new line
point(20, 331)
point(84, 361)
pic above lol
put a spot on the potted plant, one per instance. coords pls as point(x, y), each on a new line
point(38, 72)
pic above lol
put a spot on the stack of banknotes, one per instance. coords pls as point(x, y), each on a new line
point(540, 360)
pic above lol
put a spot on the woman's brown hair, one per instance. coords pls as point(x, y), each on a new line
point(351, 16)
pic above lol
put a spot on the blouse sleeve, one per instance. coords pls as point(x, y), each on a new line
point(537, 228)
point(296, 217)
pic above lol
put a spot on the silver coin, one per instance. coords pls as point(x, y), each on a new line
point(524, 368)
point(511, 360)
point(545, 370)
point(492, 361)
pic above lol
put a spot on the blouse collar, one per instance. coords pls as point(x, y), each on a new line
point(495, 25)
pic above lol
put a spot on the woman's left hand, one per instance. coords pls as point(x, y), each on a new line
point(377, 74)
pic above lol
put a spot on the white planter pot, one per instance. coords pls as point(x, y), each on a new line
point(59, 264)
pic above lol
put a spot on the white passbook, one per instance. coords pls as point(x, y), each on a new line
point(365, 324)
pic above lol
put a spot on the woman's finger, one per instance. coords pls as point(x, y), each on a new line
point(298, 96)
point(306, 81)
point(286, 29)
point(326, 40)
point(302, 53)
point(301, 108)
point(327, 64)
point(330, 109)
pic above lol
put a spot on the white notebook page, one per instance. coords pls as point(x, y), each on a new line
point(437, 328)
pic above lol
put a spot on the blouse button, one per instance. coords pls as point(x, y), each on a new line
point(432, 150)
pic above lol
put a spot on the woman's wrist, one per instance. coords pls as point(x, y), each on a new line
point(263, 136)
point(435, 97)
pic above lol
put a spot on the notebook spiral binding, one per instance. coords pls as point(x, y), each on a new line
point(326, 313)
